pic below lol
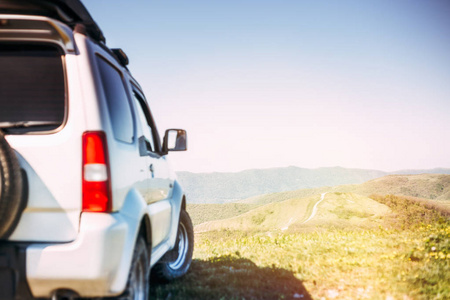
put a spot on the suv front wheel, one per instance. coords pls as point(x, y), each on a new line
point(176, 262)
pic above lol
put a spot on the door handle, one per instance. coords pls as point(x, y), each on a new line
point(151, 170)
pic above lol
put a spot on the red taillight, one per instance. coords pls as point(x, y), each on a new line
point(96, 173)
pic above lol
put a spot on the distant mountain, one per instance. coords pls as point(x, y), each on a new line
point(230, 187)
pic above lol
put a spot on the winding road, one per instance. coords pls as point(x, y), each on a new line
point(314, 212)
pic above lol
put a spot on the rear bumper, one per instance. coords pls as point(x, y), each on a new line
point(95, 264)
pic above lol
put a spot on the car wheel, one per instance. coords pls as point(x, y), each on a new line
point(138, 278)
point(176, 262)
point(11, 186)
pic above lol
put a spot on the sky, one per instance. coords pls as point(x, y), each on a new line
point(262, 84)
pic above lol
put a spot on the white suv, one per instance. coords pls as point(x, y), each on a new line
point(88, 203)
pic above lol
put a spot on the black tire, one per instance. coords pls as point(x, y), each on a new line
point(11, 187)
point(177, 261)
point(138, 279)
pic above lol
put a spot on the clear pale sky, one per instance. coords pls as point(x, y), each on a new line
point(260, 84)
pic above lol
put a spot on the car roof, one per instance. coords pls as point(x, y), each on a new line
point(70, 12)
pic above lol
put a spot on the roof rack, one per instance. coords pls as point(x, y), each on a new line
point(70, 12)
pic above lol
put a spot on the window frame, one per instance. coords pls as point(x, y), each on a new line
point(140, 98)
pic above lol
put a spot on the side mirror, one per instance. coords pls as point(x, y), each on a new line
point(174, 140)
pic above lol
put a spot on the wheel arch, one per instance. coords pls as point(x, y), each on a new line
point(183, 203)
point(145, 230)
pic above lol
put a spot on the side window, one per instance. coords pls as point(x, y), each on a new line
point(146, 122)
point(118, 103)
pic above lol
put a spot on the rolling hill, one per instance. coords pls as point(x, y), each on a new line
point(231, 187)
point(339, 206)
point(336, 209)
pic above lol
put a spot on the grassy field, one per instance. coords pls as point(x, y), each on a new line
point(406, 257)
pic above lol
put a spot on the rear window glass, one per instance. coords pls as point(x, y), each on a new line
point(118, 102)
point(32, 88)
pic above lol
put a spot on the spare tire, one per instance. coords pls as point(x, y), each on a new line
point(10, 189)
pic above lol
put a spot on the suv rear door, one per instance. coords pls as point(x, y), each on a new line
point(45, 134)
